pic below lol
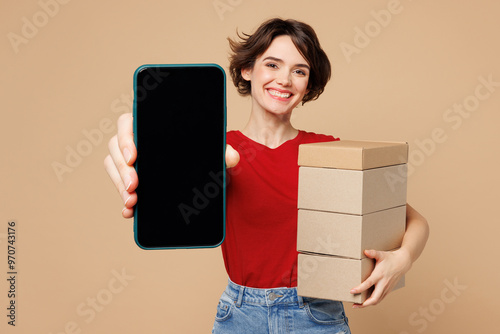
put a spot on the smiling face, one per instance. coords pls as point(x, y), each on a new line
point(278, 78)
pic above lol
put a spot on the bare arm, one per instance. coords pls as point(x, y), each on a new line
point(417, 233)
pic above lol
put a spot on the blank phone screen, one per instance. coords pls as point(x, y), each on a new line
point(179, 130)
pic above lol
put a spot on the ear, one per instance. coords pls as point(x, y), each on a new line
point(246, 73)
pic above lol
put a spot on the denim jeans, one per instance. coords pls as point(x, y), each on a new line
point(243, 310)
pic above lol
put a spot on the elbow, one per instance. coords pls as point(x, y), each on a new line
point(426, 228)
point(414, 217)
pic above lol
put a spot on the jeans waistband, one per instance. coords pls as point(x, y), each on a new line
point(242, 294)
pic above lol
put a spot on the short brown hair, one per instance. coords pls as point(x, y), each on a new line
point(245, 53)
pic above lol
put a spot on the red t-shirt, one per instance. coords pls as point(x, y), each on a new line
point(260, 248)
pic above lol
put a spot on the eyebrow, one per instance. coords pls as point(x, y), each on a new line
point(281, 61)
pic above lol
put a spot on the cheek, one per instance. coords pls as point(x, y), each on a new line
point(301, 85)
point(262, 76)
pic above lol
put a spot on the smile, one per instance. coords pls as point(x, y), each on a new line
point(279, 94)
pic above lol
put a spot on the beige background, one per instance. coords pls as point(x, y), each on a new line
point(74, 74)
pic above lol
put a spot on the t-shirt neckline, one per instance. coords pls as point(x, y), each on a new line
point(286, 143)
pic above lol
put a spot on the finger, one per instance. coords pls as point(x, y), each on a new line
point(232, 156)
point(113, 173)
point(127, 173)
point(382, 289)
point(374, 254)
point(129, 198)
point(372, 280)
point(128, 213)
point(374, 276)
point(375, 298)
point(367, 283)
point(126, 138)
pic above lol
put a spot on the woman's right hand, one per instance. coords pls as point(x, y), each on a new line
point(120, 160)
point(119, 163)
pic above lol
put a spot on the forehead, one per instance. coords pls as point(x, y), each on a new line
point(283, 48)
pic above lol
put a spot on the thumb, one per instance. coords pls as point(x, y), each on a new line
point(232, 156)
point(373, 254)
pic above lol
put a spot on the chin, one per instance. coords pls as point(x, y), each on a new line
point(282, 110)
point(279, 112)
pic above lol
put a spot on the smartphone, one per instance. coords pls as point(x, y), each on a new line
point(180, 135)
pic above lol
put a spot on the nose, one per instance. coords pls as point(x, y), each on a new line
point(284, 78)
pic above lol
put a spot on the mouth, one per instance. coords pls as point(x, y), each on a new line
point(281, 95)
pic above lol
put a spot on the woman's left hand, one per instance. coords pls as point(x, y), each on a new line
point(389, 268)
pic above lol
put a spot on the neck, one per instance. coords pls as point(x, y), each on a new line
point(269, 129)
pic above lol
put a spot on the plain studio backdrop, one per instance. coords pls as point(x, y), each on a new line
point(421, 71)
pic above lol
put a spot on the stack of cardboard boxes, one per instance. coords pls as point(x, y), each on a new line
point(352, 197)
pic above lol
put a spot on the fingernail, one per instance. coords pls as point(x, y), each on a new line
point(128, 182)
point(127, 155)
point(126, 197)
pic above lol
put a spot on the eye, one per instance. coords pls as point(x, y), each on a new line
point(300, 72)
point(272, 65)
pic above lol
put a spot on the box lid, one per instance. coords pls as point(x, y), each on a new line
point(352, 154)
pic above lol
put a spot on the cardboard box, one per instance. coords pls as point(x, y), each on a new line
point(349, 235)
point(352, 196)
point(332, 277)
point(352, 191)
point(349, 154)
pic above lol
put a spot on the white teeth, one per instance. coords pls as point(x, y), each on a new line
point(278, 94)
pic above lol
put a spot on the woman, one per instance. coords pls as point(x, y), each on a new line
point(279, 66)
